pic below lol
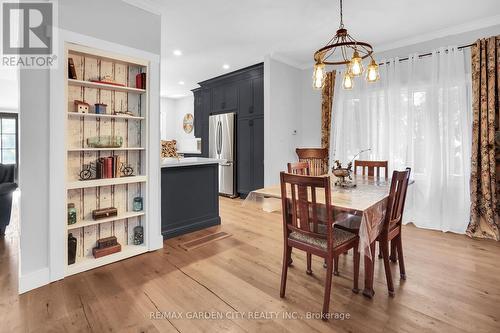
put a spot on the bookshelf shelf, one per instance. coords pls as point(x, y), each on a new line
point(105, 149)
point(105, 182)
point(86, 223)
point(110, 116)
point(89, 64)
point(96, 85)
point(88, 263)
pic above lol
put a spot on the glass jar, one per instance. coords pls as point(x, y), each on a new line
point(137, 205)
point(138, 235)
point(71, 213)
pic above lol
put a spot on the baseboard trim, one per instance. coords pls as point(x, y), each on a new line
point(34, 280)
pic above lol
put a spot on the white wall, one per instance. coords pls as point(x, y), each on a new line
point(167, 118)
point(282, 104)
point(172, 127)
point(112, 23)
point(9, 90)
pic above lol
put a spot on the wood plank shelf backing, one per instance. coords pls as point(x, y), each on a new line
point(91, 64)
point(86, 223)
point(105, 86)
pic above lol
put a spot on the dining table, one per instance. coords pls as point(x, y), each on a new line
point(366, 197)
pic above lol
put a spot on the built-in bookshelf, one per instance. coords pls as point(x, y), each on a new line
point(125, 116)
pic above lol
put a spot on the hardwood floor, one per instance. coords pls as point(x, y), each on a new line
point(453, 285)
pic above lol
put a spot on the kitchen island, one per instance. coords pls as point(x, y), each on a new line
point(189, 195)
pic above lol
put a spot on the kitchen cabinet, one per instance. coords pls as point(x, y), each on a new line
point(241, 92)
point(250, 155)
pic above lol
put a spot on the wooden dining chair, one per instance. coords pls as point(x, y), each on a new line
point(308, 226)
point(391, 230)
point(371, 168)
point(299, 168)
point(317, 159)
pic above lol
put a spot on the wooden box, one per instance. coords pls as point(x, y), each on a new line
point(103, 213)
point(97, 252)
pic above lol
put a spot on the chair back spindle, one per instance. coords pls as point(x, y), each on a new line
point(299, 168)
point(317, 158)
point(371, 168)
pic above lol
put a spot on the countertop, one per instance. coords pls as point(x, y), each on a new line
point(172, 162)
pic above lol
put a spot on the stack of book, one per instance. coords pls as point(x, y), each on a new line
point(108, 167)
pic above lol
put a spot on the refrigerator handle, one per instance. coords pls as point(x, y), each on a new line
point(219, 137)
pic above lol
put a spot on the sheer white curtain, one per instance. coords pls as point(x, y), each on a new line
point(418, 115)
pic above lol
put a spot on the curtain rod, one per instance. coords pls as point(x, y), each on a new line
point(430, 53)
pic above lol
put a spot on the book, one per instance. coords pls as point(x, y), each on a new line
point(109, 167)
point(140, 81)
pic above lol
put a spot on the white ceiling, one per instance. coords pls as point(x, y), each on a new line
point(240, 33)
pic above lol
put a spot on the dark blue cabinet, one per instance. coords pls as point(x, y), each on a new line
point(241, 92)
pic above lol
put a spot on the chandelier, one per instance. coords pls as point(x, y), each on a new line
point(343, 49)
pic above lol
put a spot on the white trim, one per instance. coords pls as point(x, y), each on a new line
point(57, 152)
point(455, 30)
point(33, 280)
point(146, 5)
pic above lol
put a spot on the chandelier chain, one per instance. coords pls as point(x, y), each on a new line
point(341, 16)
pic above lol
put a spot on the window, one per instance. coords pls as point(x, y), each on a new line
point(8, 138)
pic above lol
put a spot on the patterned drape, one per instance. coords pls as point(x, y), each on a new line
point(485, 222)
point(326, 111)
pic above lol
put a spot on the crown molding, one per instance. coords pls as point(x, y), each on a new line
point(286, 60)
point(146, 5)
point(455, 30)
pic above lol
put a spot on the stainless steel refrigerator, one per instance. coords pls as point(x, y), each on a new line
point(222, 146)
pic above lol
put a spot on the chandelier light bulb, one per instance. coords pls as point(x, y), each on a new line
point(347, 81)
point(372, 74)
point(319, 75)
point(356, 64)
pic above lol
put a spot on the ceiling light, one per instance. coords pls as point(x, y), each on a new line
point(177, 53)
point(181, 83)
point(225, 66)
point(343, 49)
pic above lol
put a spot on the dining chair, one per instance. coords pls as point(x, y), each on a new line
point(391, 229)
point(308, 226)
point(371, 167)
point(298, 168)
point(317, 159)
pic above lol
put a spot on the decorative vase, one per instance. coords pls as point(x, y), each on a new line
point(71, 249)
point(137, 205)
point(138, 235)
point(71, 213)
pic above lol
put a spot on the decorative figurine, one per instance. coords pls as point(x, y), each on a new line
point(71, 249)
point(71, 213)
point(126, 170)
point(87, 171)
point(138, 235)
point(343, 173)
point(82, 107)
point(137, 205)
